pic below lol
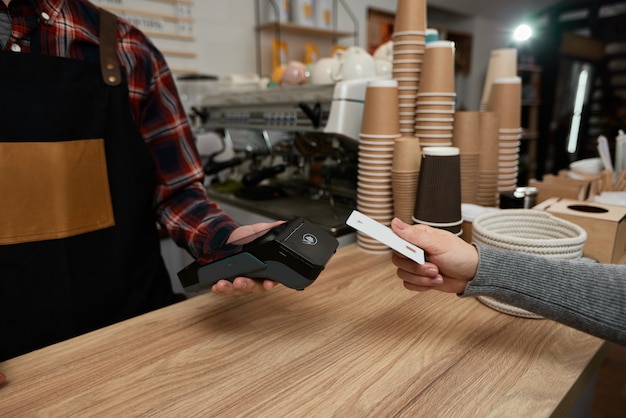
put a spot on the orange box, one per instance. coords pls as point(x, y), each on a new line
point(605, 226)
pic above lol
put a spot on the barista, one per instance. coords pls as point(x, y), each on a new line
point(95, 149)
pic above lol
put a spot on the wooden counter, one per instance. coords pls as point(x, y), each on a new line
point(355, 343)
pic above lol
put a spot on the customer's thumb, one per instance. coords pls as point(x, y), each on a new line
point(415, 234)
point(405, 231)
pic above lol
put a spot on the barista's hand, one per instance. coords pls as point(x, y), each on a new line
point(451, 261)
point(248, 233)
point(242, 286)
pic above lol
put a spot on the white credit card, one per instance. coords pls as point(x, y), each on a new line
point(384, 235)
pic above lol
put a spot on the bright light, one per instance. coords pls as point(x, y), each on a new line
point(579, 101)
point(522, 33)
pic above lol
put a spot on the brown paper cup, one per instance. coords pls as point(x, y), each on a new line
point(412, 77)
point(436, 97)
point(434, 130)
point(406, 154)
point(404, 190)
point(467, 132)
point(410, 17)
point(407, 66)
point(408, 82)
point(409, 71)
point(420, 119)
point(378, 140)
point(417, 54)
point(502, 64)
point(506, 100)
point(438, 68)
point(409, 36)
point(488, 132)
point(400, 47)
point(407, 100)
point(426, 105)
point(431, 124)
point(380, 111)
point(448, 112)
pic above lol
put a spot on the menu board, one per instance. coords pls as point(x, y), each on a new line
point(168, 23)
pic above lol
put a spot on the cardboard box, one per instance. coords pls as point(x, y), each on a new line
point(552, 186)
point(605, 226)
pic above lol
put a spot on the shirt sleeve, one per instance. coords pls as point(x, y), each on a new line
point(590, 297)
point(182, 205)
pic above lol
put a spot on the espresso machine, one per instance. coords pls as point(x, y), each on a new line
point(294, 151)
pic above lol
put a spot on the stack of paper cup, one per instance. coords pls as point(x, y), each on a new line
point(404, 176)
point(502, 64)
point(435, 106)
point(409, 40)
point(506, 100)
point(438, 201)
point(487, 189)
point(379, 130)
point(466, 138)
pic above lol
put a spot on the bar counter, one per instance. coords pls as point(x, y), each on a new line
point(354, 343)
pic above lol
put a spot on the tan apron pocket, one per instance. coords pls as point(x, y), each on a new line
point(51, 190)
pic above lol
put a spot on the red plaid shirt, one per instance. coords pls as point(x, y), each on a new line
point(69, 28)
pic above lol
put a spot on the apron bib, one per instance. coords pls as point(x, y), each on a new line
point(78, 242)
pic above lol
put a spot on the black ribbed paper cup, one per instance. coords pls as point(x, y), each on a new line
point(438, 197)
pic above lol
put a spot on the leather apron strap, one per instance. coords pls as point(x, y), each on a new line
point(108, 49)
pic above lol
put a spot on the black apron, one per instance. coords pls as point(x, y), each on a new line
point(79, 247)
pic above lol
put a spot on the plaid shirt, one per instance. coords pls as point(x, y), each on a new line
point(69, 28)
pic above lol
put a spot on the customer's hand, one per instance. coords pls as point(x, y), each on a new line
point(451, 262)
point(242, 286)
point(2, 378)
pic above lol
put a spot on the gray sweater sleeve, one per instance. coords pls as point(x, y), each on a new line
point(590, 297)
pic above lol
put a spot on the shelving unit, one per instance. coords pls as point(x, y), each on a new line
point(293, 28)
point(296, 34)
point(170, 24)
point(531, 103)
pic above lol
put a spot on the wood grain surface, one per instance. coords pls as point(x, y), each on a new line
point(355, 343)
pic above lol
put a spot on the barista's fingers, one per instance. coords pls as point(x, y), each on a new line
point(238, 287)
point(247, 285)
point(268, 284)
point(223, 288)
point(241, 286)
point(248, 233)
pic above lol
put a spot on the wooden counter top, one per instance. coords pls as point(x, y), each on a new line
point(355, 343)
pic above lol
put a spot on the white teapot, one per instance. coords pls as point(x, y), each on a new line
point(384, 51)
point(354, 62)
point(323, 70)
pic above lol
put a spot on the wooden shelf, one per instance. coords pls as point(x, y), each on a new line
point(531, 78)
point(297, 35)
point(529, 135)
point(528, 68)
point(292, 28)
